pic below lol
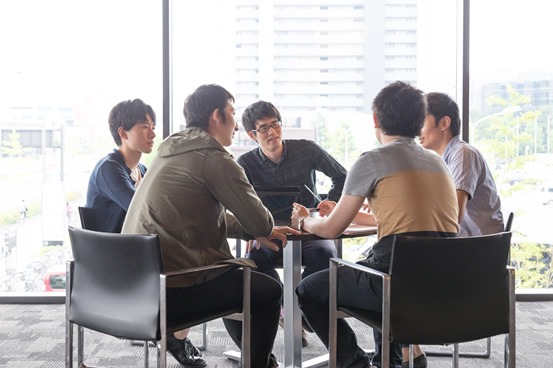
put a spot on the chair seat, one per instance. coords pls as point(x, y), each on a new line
point(372, 319)
point(194, 319)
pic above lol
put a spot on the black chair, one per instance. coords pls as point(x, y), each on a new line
point(488, 351)
point(89, 222)
point(509, 222)
point(88, 218)
point(116, 285)
point(439, 291)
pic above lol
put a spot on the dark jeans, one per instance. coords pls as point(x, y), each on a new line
point(355, 289)
point(224, 293)
point(315, 257)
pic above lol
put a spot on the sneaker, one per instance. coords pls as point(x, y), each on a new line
point(184, 352)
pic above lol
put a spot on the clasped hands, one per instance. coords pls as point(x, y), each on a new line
point(278, 233)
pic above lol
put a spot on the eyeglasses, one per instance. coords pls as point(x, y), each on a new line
point(265, 128)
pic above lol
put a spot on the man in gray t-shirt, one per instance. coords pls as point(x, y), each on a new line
point(477, 196)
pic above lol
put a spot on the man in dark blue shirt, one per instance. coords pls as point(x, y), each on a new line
point(115, 178)
point(278, 162)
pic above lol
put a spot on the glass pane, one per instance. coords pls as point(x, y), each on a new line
point(320, 63)
point(510, 122)
point(65, 65)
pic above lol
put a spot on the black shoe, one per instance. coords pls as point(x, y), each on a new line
point(184, 352)
point(418, 362)
point(306, 326)
point(191, 347)
point(304, 341)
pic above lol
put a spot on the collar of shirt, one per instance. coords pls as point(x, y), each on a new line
point(449, 148)
point(118, 156)
point(266, 160)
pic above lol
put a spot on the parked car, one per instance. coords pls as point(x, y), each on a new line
point(54, 278)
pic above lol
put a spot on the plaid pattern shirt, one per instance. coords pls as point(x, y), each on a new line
point(300, 160)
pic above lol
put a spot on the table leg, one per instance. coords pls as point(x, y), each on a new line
point(292, 313)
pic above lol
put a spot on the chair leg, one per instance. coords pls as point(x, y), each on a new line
point(146, 355)
point(509, 358)
point(68, 344)
point(511, 342)
point(385, 343)
point(80, 346)
point(246, 318)
point(411, 356)
point(203, 346)
point(455, 355)
point(332, 330)
point(161, 363)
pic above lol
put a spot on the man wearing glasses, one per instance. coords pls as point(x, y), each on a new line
point(278, 162)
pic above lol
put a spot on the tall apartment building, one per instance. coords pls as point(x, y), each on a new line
point(539, 91)
point(333, 55)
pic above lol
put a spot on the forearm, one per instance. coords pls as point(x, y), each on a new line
point(341, 217)
point(462, 200)
point(363, 218)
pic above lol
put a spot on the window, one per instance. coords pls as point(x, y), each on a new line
point(63, 75)
point(54, 112)
point(511, 110)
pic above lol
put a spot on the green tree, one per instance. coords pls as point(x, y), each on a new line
point(508, 140)
point(532, 262)
point(342, 144)
point(13, 147)
point(321, 130)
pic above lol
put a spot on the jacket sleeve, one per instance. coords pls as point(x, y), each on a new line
point(235, 230)
point(227, 181)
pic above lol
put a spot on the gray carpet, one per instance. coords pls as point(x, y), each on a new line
point(33, 336)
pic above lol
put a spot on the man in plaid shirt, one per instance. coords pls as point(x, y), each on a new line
point(278, 162)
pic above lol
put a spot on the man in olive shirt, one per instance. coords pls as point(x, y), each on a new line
point(191, 183)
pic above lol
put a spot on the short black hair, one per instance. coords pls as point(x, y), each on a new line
point(440, 105)
point(127, 114)
point(202, 102)
point(258, 111)
point(400, 109)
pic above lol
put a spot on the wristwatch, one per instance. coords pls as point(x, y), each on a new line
point(300, 223)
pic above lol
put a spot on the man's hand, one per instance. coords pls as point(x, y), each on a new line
point(326, 207)
point(278, 233)
point(298, 212)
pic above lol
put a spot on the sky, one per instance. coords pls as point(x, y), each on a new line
point(499, 34)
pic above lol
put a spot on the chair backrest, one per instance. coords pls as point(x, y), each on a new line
point(447, 290)
point(88, 218)
point(279, 201)
point(114, 285)
point(509, 222)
